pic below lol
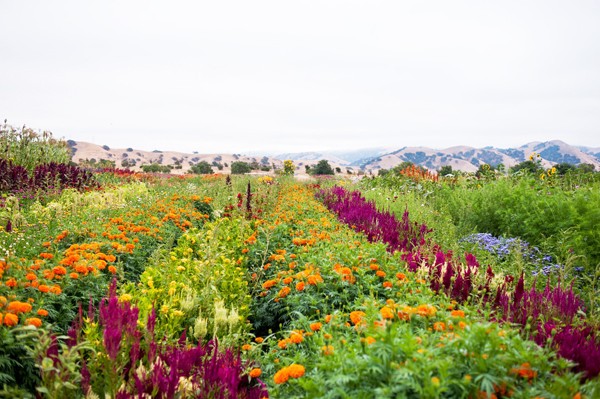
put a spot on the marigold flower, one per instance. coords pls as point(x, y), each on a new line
point(11, 320)
point(246, 347)
point(380, 273)
point(255, 373)
point(426, 310)
point(296, 337)
point(287, 280)
point(401, 276)
point(300, 286)
point(328, 318)
point(268, 284)
point(112, 269)
point(374, 266)
point(327, 336)
point(439, 326)
point(457, 313)
point(386, 312)
point(369, 340)
point(285, 291)
point(357, 316)
point(282, 344)
point(19, 307)
point(42, 312)
point(387, 284)
point(315, 326)
point(314, 279)
point(296, 370)
point(55, 289)
point(74, 275)
point(282, 376)
point(33, 321)
point(11, 283)
point(30, 276)
point(46, 255)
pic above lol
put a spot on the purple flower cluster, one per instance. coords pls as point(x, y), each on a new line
point(204, 370)
point(15, 179)
point(353, 209)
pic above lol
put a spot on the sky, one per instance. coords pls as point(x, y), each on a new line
point(289, 76)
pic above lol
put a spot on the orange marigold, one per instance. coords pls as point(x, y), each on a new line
point(42, 312)
point(255, 373)
point(282, 376)
point(387, 284)
point(74, 275)
point(11, 320)
point(19, 307)
point(327, 350)
point(386, 312)
point(46, 255)
point(11, 283)
point(33, 321)
point(300, 286)
point(268, 284)
point(287, 280)
point(380, 273)
point(316, 326)
point(457, 313)
point(296, 370)
point(285, 291)
point(296, 337)
point(401, 276)
point(357, 316)
point(439, 326)
point(259, 340)
point(246, 347)
point(112, 269)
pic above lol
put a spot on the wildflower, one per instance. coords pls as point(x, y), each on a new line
point(316, 326)
point(255, 373)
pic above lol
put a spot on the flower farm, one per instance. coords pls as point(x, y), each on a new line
point(116, 284)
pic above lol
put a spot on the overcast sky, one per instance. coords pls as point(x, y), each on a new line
point(283, 76)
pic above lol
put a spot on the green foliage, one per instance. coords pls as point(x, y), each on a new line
point(322, 168)
point(156, 168)
point(202, 168)
point(24, 147)
point(240, 168)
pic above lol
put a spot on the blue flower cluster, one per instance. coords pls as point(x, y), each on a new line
point(502, 247)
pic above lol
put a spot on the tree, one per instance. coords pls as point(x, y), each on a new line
point(201, 168)
point(530, 166)
point(322, 168)
point(445, 170)
point(239, 168)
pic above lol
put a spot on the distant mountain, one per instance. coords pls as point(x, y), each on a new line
point(350, 162)
point(468, 158)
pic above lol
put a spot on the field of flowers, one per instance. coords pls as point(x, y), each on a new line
point(127, 285)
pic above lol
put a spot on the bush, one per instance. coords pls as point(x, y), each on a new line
point(201, 168)
point(322, 168)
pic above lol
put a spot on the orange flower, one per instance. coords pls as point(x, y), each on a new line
point(18, 307)
point(386, 312)
point(112, 269)
point(11, 320)
point(55, 289)
point(259, 340)
point(374, 266)
point(246, 347)
point(30, 276)
point(327, 336)
point(401, 276)
point(42, 312)
point(525, 371)
point(46, 255)
point(327, 350)
point(426, 310)
point(300, 286)
point(356, 317)
point(287, 280)
point(296, 370)
point(439, 326)
point(74, 275)
point(314, 279)
point(457, 313)
point(296, 337)
point(328, 318)
point(11, 283)
point(255, 373)
point(282, 376)
point(315, 326)
point(387, 284)
point(380, 273)
point(59, 270)
point(369, 340)
point(285, 291)
point(268, 284)
point(34, 321)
